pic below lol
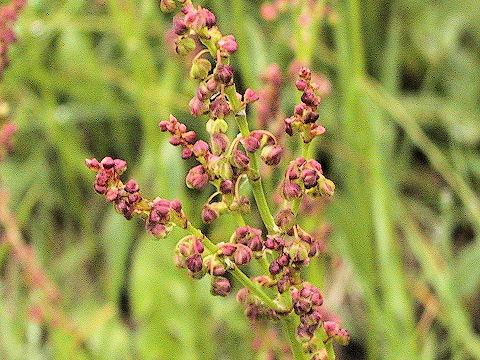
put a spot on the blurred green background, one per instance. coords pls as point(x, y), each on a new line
point(94, 78)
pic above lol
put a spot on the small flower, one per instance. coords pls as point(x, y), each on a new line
point(228, 44)
point(250, 96)
point(272, 154)
point(224, 74)
point(221, 286)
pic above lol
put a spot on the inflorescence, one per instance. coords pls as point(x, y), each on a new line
point(224, 163)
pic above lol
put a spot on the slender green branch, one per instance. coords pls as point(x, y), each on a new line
point(255, 183)
point(289, 328)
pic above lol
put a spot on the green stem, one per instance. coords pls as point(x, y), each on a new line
point(289, 328)
point(256, 182)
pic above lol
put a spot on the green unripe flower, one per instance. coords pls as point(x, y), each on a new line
point(185, 45)
point(200, 68)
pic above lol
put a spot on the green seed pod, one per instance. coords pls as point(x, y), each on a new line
point(200, 68)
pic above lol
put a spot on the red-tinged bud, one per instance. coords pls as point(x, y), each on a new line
point(175, 140)
point(197, 178)
point(242, 255)
point(209, 214)
point(228, 44)
point(195, 19)
point(189, 137)
point(167, 5)
point(327, 188)
point(111, 194)
point(214, 266)
point(226, 187)
point(317, 130)
point(300, 108)
point(194, 263)
point(299, 161)
point(274, 243)
point(131, 186)
point(242, 295)
point(311, 117)
point(210, 19)
point(298, 253)
point(241, 204)
point(224, 74)
point(285, 219)
point(240, 160)
point(179, 26)
point(156, 229)
point(221, 286)
point(176, 206)
point(163, 125)
point(92, 164)
point(303, 333)
point(200, 148)
point(275, 268)
point(251, 143)
point(241, 233)
point(212, 85)
point(250, 96)
point(283, 260)
point(184, 45)
point(291, 190)
point(187, 153)
point(197, 246)
point(227, 249)
point(256, 243)
point(309, 178)
point(202, 92)
point(220, 143)
point(272, 154)
point(309, 98)
point(107, 163)
point(301, 84)
point(200, 68)
point(220, 107)
point(305, 73)
point(283, 284)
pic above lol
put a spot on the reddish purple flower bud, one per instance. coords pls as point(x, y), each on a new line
point(212, 85)
point(242, 232)
point(200, 148)
point(221, 286)
point(210, 18)
point(189, 137)
point(196, 106)
point(131, 186)
point(224, 74)
point(163, 125)
point(111, 194)
point(317, 130)
point(187, 153)
point(291, 190)
point(197, 246)
point(202, 92)
point(309, 98)
point(197, 178)
point(107, 163)
point(305, 73)
point(251, 143)
point(194, 263)
point(156, 229)
point(243, 295)
point(310, 178)
point(220, 107)
point(272, 154)
point(311, 117)
point(220, 143)
point(226, 187)
point(285, 219)
point(274, 243)
point(92, 164)
point(301, 84)
point(283, 260)
point(283, 284)
point(175, 140)
point(275, 268)
point(242, 255)
point(250, 96)
point(227, 249)
point(176, 205)
point(179, 26)
point(209, 214)
point(300, 108)
point(240, 159)
point(228, 44)
point(256, 243)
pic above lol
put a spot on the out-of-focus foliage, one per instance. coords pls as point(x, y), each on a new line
point(95, 78)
